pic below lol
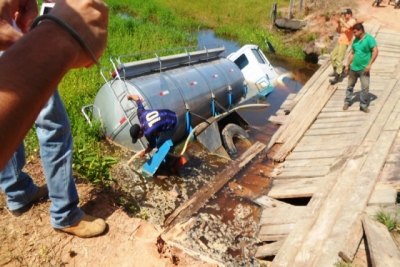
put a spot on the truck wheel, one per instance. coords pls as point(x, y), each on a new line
point(230, 132)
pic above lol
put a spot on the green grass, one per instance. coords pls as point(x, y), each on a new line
point(139, 27)
point(388, 220)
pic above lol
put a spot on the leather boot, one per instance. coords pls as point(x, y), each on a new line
point(88, 226)
point(41, 193)
point(335, 79)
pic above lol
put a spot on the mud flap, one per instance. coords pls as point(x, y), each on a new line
point(210, 138)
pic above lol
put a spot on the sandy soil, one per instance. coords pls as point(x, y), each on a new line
point(30, 241)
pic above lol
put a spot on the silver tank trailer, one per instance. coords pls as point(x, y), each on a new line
point(180, 89)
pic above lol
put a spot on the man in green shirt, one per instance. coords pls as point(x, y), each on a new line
point(363, 53)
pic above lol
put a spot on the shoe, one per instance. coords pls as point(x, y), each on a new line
point(335, 79)
point(88, 226)
point(365, 110)
point(42, 193)
point(346, 106)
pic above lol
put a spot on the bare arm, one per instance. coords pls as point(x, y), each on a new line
point(375, 53)
point(32, 67)
point(349, 60)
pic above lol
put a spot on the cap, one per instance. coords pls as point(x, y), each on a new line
point(347, 11)
point(134, 132)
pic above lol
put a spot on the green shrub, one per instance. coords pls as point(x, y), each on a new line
point(93, 166)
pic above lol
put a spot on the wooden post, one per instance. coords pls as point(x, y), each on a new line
point(274, 11)
point(301, 5)
point(290, 16)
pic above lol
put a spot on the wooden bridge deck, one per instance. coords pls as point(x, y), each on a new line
point(346, 162)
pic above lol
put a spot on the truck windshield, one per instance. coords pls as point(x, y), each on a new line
point(258, 56)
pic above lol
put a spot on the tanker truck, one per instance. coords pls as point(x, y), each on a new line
point(203, 88)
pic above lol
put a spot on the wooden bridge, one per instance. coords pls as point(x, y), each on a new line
point(346, 162)
point(345, 165)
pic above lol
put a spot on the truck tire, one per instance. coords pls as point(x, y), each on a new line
point(229, 132)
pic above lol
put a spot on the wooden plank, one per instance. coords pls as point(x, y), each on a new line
point(297, 155)
point(316, 171)
point(390, 174)
point(383, 250)
point(336, 124)
point(274, 232)
point(308, 162)
point(283, 215)
point(308, 90)
point(277, 119)
point(299, 234)
point(270, 249)
point(203, 194)
point(384, 114)
point(358, 198)
point(321, 146)
point(309, 115)
point(340, 114)
point(324, 140)
point(294, 188)
point(352, 243)
point(355, 118)
point(331, 131)
point(269, 202)
point(383, 195)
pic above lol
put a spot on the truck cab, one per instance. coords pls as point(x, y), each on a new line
point(258, 72)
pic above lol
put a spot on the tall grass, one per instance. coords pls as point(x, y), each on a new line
point(151, 25)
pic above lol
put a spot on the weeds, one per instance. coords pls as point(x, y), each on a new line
point(93, 166)
point(386, 219)
point(343, 264)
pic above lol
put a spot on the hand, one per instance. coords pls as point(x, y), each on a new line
point(140, 154)
point(89, 18)
point(367, 69)
point(347, 69)
point(23, 12)
point(133, 97)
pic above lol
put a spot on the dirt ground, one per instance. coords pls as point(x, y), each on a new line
point(29, 240)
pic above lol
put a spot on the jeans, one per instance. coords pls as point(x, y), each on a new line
point(364, 94)
point(54, 134)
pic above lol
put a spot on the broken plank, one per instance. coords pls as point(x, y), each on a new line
point(274, 232)
point(269, 202)
point(293, 188)
point(277, 119)
point(270, 249)
point(383, 250)
point(203, 194)
point(282, 215)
